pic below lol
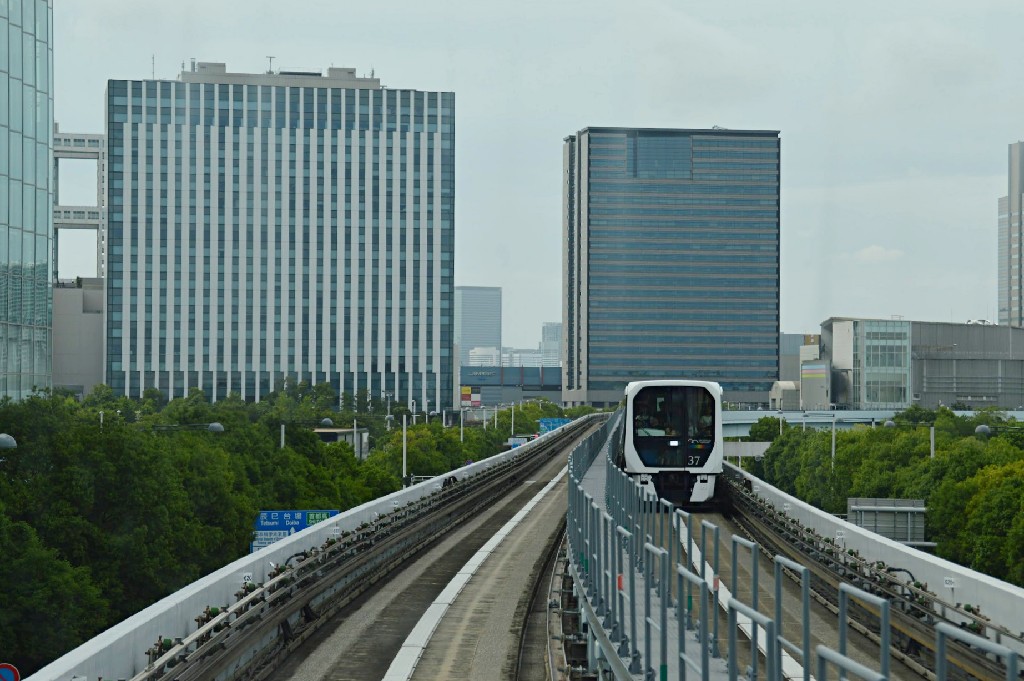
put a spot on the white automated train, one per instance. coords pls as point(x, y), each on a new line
point(672, 439)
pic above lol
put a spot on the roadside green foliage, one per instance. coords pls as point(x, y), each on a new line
point(102, 512)
point(973, 487)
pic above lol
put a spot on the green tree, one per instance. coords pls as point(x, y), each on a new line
point(49, 607)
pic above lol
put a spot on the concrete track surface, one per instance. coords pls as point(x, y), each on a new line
point(478, 638)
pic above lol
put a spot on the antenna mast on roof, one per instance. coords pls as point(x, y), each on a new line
point(270, 64)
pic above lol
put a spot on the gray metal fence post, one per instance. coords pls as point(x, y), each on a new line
point(686, 576)
point(805, 593)
point(847, 591)
point(656, 556)
point(665, 589)
point(944, 630)
point(600, 609)
point(647, 609)
point(689, 566)
point(704, 526)
point(668, 540)
point(627, 536)
point(738, 541)
point(588, 533)
point(608, 537)
point(735, 608)
point(634, 664)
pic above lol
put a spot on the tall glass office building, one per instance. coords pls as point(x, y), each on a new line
point(26, 195)
point(671, 260)
point(280, 227)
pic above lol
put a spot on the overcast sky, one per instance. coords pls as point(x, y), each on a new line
point(895, 120)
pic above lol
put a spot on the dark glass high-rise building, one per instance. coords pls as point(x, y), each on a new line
point(26, 195)
point(670, 260)
point(289, 226)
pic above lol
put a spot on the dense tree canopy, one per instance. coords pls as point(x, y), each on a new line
point(973, 487)
point(102, 512)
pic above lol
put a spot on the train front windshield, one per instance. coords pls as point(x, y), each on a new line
point(674, 425)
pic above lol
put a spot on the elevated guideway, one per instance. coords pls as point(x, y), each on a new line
point(811, 605)
point(243, 620)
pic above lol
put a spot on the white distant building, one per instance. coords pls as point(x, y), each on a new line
point(483, 357)
point(521, 357)
point(1010, 270)
point(477, 319)
point(551, 344)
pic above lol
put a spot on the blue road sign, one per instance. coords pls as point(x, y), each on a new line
point(272, 526)
point(8, 672)
point(290, 520)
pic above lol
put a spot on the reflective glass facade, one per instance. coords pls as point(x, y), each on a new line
point(881, 364)
point(262, 232)
point(671, 262)
point(870, 361)
point(26, 195)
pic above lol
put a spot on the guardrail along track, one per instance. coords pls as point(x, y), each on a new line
point(913, 611)
point(250, 638)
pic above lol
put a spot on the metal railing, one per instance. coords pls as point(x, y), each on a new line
point(622, 554)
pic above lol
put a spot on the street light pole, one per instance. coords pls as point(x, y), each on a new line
point(405, 445)
point(833, 440)
point(462, 428)
point(780, 422)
